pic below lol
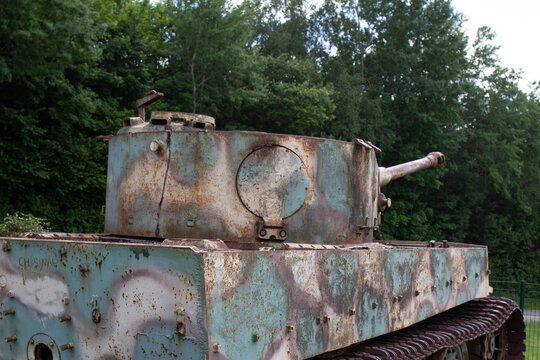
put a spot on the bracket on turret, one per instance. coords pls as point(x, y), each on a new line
point(149, 98)
point(270, 232)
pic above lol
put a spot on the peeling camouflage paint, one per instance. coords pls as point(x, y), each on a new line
point(260, 304)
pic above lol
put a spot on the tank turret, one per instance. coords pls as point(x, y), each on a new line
point(176, 177)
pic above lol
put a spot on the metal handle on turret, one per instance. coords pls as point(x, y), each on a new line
point(432, 161)
point(149, 98)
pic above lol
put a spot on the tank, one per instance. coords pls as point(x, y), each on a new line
point(247, 245)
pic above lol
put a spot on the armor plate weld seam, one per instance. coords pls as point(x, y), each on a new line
point(164, 180)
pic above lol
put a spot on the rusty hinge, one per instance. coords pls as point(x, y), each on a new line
point(271, 233)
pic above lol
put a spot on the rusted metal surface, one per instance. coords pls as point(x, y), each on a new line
point(62, 236)
point(122, 306)
point(432, 161)
point(198, 187)
point(149, 98)
point(489, 328)
point(105, 138)
point(169, 179)
point(187, 299)
point(188, 119)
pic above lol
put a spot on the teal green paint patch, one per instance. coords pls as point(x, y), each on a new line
point(342, 271)
point(259, 306)
point(159, 342)
point(129, 154)
point(109, 278)
point(400, 267)
point(192, 158)
point(475, 262)
point(272, 182)
point(463, 295)
point(241, 145)
point(25, 323)
point(296, 191)
point(335, 178)
point(426, 310)
point(310, 333)
point(442, 275)
point(372, 316)
point(118, 154)
point(138, 251)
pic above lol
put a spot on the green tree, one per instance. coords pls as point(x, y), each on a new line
point(497, 173)
point(282, 27)
point(15, 224)
point(205, 54)
point(132, 39)
point(52, 166)
point(290, 98)
point(396, 68)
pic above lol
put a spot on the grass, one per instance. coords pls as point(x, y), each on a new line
point(530, 304)
point(511, 290)
point(532, 294)
point(532, 342)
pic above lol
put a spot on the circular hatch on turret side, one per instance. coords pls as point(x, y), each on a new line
point(272, 183)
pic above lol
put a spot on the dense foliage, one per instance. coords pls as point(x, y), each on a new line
point(15, 224)
point(397, 73)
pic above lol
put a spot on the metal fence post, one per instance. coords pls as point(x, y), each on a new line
point(522, 295)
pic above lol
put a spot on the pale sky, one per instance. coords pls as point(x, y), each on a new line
point(517, 25)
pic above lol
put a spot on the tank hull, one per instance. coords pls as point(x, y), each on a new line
point(94, 297)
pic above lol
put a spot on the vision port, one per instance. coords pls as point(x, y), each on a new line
point(43, 352)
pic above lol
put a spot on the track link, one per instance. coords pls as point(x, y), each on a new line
point(452, 328)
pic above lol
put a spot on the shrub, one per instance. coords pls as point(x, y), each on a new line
point(22, 223)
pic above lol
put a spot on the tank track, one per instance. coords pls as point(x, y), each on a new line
point(451, 329)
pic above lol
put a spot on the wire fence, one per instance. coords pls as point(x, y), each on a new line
point(527, 295)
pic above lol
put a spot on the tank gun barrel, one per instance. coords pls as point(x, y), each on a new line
point(432, 161)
